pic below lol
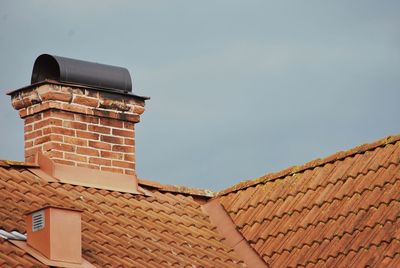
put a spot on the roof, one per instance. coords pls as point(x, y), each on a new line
point(343, 209)
point(13, 256)
point(163, 230)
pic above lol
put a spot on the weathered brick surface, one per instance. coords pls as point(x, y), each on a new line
point(79, 127)
point(99, 129)
point(112, 155)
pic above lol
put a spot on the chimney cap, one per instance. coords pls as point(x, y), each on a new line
point(61, 69)
point(53, 206)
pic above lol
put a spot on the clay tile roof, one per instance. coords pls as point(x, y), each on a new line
point(161, 230)
point(12, 256)
point(343, 209)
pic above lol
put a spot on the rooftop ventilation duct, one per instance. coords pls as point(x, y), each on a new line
point(56, 233)
point(49, 67)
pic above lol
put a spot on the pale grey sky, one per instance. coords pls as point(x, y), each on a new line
point(238, 88)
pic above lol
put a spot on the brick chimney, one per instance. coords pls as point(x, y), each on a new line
point(80, 114)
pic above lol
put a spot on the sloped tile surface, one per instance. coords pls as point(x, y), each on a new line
point(165, 230)
point(340, 211)
point(12, 256)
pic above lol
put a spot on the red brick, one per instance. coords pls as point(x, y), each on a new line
point(75, 141)
point(121, 148)
point(54, 95)
point(99, 145)
point(30, 159)
point(112, 169)
point(87, 151)
point(99, 161)
point(34, 134)
point(129, 125)
point(99, 129)
point(129, 171)
point(87, 135)
point(18, 103)
point(64, 162)
point(59, 146)
point(59, 130)
point(42, 139)
point(33, 118)
point(23, 113)
point(115, 105)
point(87, 118)
point(111, 122)
point(48, 138)
point(28, 144)
point(31, 151)
point(88, 166)
point(129, 142)
point(74, 108)
point(124, 133)
point(129, 157)
point(28, 128)
point(123, 164)
point(75, 125)
point(55, 154)
point(107, 154)
point(58, 114)
point(39, 108)
point(138, 109)
point(75, 157)
point(48, 122)
point(64, 114)
point(83, 100)
point(133, 118)
point(112, 139)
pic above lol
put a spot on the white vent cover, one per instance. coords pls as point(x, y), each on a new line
point(38, 220)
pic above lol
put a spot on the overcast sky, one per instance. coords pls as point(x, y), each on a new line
point(238, 88)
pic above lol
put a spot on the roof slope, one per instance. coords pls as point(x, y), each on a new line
point(130, 230)
point(344, 209)
point(12, 256)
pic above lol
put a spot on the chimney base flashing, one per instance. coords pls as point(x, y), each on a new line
point(38, 256)
point(87, 177)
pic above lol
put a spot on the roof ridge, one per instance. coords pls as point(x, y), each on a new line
point(280, 217)
point(328, 201)
point(311, 164)
point(10, 163)
point(307, 190)
point(176, 188)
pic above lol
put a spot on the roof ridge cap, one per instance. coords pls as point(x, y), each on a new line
point(176, 188)
point(311, 164)
point(10, 163)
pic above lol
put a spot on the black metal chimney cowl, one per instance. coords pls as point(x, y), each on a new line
point(61, 69)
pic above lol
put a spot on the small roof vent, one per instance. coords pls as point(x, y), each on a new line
point(49, 67)
point(37, 220)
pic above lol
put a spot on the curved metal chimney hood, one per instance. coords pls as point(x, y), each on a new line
point(61, 69)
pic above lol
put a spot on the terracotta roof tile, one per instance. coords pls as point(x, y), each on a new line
point(315, 163)
point(166, 229)
point(12, 256)
point(344, 209)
